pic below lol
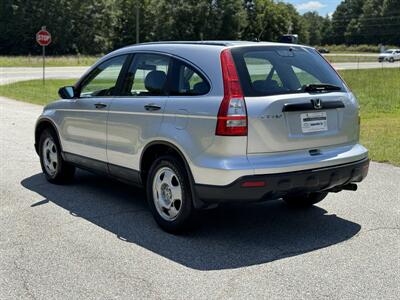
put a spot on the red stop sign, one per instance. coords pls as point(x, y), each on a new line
point(43, 37)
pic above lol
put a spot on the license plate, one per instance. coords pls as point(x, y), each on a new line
point(314, 122)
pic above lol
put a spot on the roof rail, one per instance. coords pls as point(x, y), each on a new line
point(210, 43)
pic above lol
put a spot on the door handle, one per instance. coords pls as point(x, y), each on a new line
point(100, 105)
point(152, 107)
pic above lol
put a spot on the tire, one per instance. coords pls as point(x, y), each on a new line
point(391, 60)
point(169, 195)
point(304, 200)
point(54, 167)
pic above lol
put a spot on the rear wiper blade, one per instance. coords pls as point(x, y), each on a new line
point(320, 87)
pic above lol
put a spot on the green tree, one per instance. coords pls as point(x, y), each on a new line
point(345, 13)
point(390, 22)
point(326, 31)
point(270, 19)
point(314, 23)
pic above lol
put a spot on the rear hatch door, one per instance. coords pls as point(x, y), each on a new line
point(294, 100)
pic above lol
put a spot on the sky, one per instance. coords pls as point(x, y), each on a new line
point(323, 7)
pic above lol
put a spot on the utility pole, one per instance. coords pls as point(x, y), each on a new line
point(290, 28)
point(137, 22)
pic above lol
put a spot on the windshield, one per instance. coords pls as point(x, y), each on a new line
point(389, 51)
point(265, 71)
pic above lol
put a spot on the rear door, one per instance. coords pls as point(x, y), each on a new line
point(136, 114)
point(281, 115)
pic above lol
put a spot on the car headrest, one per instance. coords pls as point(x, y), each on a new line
point(155, 81)
point(200, 88)
point(264, 85)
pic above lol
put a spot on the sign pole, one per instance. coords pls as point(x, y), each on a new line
point(43, 38)
point(44, 62)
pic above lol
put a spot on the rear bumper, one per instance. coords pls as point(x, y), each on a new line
point(278, 185)
point(223, 171)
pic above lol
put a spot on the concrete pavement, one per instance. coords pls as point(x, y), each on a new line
point(95, 238)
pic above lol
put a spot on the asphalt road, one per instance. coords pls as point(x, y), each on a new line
point(95, 239)
point(8, 75)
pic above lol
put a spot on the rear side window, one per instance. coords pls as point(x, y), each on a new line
point(186, 81)
point(147, 75)
point(265, 71)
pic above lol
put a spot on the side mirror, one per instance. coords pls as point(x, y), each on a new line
point(67, 92)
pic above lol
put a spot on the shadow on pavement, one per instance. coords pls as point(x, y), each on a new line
point(231, 236)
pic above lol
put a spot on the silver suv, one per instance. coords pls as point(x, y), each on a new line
point(390, 55)
point(201, 123)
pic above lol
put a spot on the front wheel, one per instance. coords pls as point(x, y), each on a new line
point(54, 167)
point(391, 60)
point(304, 200)
point(169, 195)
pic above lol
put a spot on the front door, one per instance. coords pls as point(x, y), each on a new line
point(84, 125)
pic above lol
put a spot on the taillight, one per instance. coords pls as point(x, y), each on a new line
point(232, 115)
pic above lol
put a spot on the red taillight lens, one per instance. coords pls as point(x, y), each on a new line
point(232, 115)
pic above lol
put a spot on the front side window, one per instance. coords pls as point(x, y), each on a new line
point(187, 82)
point(275, 70)
point(147, 75)
point(103, 80)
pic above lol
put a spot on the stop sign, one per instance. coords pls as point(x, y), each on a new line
point(43, 37)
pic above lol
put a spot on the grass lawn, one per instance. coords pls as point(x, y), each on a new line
point(51, 61)
point(33, 91)
point(377, 91)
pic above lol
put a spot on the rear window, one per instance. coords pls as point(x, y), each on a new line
point(265, 71)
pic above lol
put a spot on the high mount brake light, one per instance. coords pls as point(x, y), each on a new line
point(232, 114)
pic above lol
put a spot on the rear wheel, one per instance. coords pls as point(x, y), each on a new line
point(391, 59)
point(54, 167)
point(169, 195)
point(304, 200)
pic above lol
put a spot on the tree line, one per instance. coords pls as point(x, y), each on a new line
point(98, 26)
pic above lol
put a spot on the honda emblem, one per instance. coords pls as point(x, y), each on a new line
point(317, 103)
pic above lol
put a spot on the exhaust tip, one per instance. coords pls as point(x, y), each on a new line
point(350, 187)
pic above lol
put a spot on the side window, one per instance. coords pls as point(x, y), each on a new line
point(103, 80)
point(147, 75)
point(263, 75)
point(304, 77)
point(187, 82)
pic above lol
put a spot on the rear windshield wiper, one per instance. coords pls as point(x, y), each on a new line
point(321, 87)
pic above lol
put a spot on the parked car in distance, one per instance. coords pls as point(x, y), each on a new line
point(390, 55)
point(323, 50)
point(202, 123)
